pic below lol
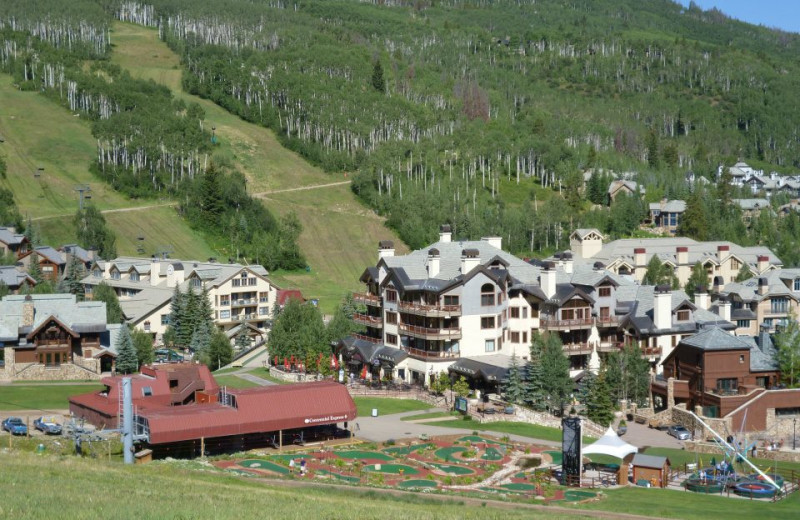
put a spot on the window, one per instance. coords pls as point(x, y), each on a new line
point(515, 337)
point(225, 300)
point(49, 269)
point(779, 305)
point(147, 391)
point(735, 265)
point(797, 284)
point(173, 383)
point(252, 281)
point(487, 295)
point(195, 282)
point(567, 314)
point(263, 297)
point(165, 319)
point(525, 337)
point(744, 324)
point(147, 326)
point(224, 314)
point(514, 312)
point(604, 292)
point(524, 313)
point(391, 295)
point(500, 343)
point(489, 345)
point(391, 318)
point(236, 282)
point(87, 289)
point(487, 322)
point(451, 300)
point(727, 385)
point(114, 274)
point(263, 311)
point(787, 411)
point(683, 315)
point(741, 358)
point(97, 273)
point(391, 339)
point(134, 276)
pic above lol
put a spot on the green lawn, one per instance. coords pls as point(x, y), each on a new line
point(681, 457)
point(234, 382)
point(387, 406)
point(667, 503)
point(533, 431)
point(41, 397)
point(263, 373)
point(431, 415)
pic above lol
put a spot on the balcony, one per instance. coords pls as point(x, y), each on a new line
point(607, 321)
point(367, 299)
point(651, 351)
point(377, 341)
point(430, 333)
point(614, 346)
point(244, 302)
point(432, 311)
point(430, 354)
point(369, 321)
point(235, 318)
point(556, 324)
point(577, 349)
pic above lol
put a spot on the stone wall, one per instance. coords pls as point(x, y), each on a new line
point(66, 372)
point(293, 377)
point(707, 447)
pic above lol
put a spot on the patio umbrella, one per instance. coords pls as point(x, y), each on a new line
point(286, 363)
point(334, 363)
point(364, 372)
point(276, 360)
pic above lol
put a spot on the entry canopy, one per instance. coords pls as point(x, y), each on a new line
point(610, 444)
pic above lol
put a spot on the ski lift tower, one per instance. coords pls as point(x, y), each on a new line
point(85, 192)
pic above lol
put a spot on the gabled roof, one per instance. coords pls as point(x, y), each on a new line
point(49, 254)
point(11, 238)
point(582, 233)
point(284, 295)
point(649, 461)
point(670, 206)
point(13, 277)
point(751, 204)
point(715, 338)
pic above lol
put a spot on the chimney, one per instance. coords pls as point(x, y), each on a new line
point(567, 262)
point(724, 312)
point(662, 307)
point(722, 252)
point(92, 253)
point(494, 241)
point(763, 286)
point(155, 271)
point(385, 249)
point(701, 297)
point(640, 257)
point(445, 233)
point(547, 280)
point(719, 284)
point(470, 259)
point(28, 311)
point(433, 262)
point(174, 274)
point(763, 263)
point(682, 255)
point(107, 269)
point(598, 266)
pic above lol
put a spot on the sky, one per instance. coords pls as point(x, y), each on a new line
point(783, 14)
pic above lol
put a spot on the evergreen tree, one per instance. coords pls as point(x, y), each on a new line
point(556, 383)
point(652, 149)
point(298, 331)
point(461, 387)
point(627, 374)
point(35, 270)
point(342, 324)
point(219, 352)
point(694, 221)
point(75, 272)
point(787, 342)
point(242, 340)
point(599, 407)
point(744, 274)
point(513, 385)
point(205, 311)
point(127, 361)
point(105, 293)
point(533, 394)
point(201, 339)
point(93, 232)
point(175, 318)
point(698, 278)
point(659, 274)
point(188, 314)
point(211, 197)
point(143, 343)
point(378, 83)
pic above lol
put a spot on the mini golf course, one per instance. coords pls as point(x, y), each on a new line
point(412, 484)
point(393, 469)
point(264, 465)
point(408, 450)
point(363, 455)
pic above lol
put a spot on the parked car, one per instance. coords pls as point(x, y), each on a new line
point(679, 432)
point(15, 426)
point(47, 425)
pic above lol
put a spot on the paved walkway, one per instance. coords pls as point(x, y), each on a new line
point(244, 374)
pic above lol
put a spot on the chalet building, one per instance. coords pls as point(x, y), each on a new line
point(13, 243)
point(742, 175)
point(51, 262)
point(145, 287)
point(629, 257)
point(733, 379)
point(86, 257)
point(751, 208)
point(624, 187)
point(666, 215)
point(52, 336)
point(767, 301)
point(15, 279)
point(468, 307)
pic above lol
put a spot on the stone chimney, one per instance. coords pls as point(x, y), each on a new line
point(155, 271)
point(662, 307)
point(445, 233)
point(701, 297)
point(385, 249)
point(433, 262)
point(547, 280)
point(107, 269)
point(722, 252)
point(494, 241)
point(470, 259)
point(763, 286)
point(569, 265)
point(724, 307)
point(28, 311)
point(763, 263)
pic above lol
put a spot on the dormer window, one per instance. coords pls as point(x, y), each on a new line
point(487, 295)
point(604, 292)
point(797, 284)
point(683, 316)
point(134, 276)
point(97, 273)
point(115, 274)
point(195, 283)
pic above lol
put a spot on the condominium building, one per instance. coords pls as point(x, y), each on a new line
point(763, 302)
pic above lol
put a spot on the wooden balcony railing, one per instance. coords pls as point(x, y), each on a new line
point(369, 321)
point(556, 324)
point(377, 341)
point(421, 309)
point(577, 349)
point(367, 299)
point(430, 354)
point(430, 333)
point(607, 321)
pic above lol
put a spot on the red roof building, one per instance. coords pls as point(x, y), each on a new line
point(284, 295)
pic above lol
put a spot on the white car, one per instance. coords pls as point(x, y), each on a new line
point(679, 432)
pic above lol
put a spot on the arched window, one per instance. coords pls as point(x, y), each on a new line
point(487, 295)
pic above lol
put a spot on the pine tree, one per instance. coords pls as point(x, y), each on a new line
point(652, 149)
point(698, 278)
point(694, 221)
point(219, 352)
point(242, 337)
point(35, 270)
point(211, 197)
point(533, 394)
point(788, 344)
point(127, 361)
point(513, 384)
point(93, 232)
point(201, 339)
point(600, 407)
point(556, 383)
point(105, 293)
point(174, 332)
point(378, 83)
point(187, 316)
point(744, 274)
point(143, 343)
point(72, 278)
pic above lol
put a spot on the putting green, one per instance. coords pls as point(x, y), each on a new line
point(394, 469)
point(263, 464)
point(337, 476)
point(286, 458)
point(575, 495)
point(492, 454)
point(455, 470)
point(556, 455)
point(476, 438)
point(407, 450)
point(406, 484)
point(358, 454)
point(447, 454)
point(519, 487)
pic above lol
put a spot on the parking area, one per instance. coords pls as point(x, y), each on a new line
point(28, 416)
point(641, 435)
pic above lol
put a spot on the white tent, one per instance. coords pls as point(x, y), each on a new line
point(611, 444)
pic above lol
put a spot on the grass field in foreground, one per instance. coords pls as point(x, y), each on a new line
point(432, 415)
point(681, 457)
point(534, 431)
point(387, 406)
point(159, 491)
point(234, 382)
point(42, 397)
